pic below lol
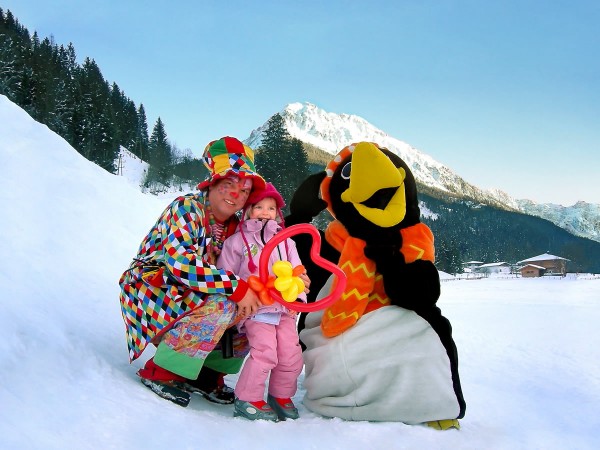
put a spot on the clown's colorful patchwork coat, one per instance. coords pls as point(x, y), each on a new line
point(171, 274)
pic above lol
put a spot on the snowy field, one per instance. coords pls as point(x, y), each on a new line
point(528, 348)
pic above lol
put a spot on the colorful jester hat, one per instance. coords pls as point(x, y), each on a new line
point(226, 157)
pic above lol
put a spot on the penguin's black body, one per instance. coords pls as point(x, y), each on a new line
point(375, 206)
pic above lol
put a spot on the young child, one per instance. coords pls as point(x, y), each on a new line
point(271, 332)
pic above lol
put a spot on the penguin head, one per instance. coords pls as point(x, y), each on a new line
point(371, 191)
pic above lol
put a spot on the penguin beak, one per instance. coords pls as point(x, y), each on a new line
point(375, 180)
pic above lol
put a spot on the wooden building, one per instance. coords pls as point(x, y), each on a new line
point(531, 270)
point(553, 265)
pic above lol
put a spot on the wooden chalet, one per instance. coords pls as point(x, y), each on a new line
point(553, 265)
point(531, 271)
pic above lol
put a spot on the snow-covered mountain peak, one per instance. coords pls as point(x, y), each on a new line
point(328, 131)
point(332, 131)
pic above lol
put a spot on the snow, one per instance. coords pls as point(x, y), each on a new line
point(131, 167)
point(528, 348)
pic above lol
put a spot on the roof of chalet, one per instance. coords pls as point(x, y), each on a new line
point(544, 257)
point(494, 264)
point(532, 265)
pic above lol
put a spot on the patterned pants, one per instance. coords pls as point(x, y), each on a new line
point(184, 348)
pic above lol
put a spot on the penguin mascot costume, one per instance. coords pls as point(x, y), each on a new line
point(382, 351)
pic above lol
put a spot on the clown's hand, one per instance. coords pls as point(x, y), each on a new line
point(306, 203)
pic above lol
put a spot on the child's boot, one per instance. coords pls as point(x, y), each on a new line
point(259, 410)
point(284, 407)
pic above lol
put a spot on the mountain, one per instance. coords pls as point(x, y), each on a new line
point(581, 219)
point(331, 132)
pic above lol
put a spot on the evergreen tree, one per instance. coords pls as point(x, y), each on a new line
point(281, 159)
point(61, 117)
point(41, 82)
point(118, 112)
point(160, 156)
point(124, 117)
point(141, 136)
point(270, 162)
point(98, 143)
point(298, 168)
point(68, 59)
point(129, 124)
point(15, 75)
point(10, 68)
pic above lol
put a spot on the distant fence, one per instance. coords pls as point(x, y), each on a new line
point(479, 276)
point(584, 276)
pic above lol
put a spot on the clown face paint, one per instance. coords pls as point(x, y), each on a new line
point(228, 195)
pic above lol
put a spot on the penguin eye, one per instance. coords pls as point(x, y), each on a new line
point(345, 173)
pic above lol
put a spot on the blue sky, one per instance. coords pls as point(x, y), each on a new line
point(505, 93)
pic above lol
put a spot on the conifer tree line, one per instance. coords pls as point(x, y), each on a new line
point(77, 103)
point(96, 118)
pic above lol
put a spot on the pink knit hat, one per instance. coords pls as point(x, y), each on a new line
point(269, 191)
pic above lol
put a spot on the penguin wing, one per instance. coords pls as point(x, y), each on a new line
point(305, 205)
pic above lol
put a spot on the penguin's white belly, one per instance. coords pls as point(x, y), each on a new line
point(390, 366)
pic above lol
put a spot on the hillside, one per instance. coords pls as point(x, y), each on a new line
point(466, 231)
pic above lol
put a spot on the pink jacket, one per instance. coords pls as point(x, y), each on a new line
point(234, 256)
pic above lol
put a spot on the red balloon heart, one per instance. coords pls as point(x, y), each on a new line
point(263, 268)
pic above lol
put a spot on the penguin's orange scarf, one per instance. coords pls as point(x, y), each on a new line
point(361, 286)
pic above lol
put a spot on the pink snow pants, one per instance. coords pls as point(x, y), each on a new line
point(274, 349)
